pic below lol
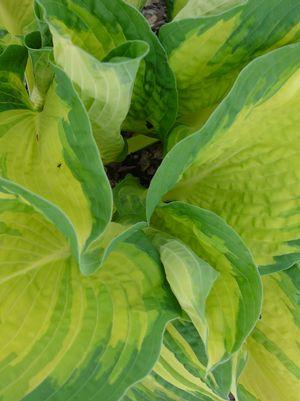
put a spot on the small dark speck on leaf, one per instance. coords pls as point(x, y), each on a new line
point(59, 165)
point(231, 397)
point(37, 137)
point(149, 125)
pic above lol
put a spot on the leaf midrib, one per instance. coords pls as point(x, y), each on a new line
point(62, 254)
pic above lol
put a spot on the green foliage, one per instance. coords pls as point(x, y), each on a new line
point(189, 289)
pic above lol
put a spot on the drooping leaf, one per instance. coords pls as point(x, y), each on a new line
point(66, 336)
point(52, 152)
point(207, 53)
point(105, 87)
point(233, 305)
point(273, 368)
point(191, 280)
point(237, 164)
point(17, 16)
point(99, 27)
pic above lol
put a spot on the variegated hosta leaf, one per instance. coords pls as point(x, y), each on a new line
point(234, 302)
point(191, 280)
point(7, 39)
point(129, 201)
point(64, 336)
point(273, 368)
point(174, 6)
point(136, 3)
point(105, 87)
point(86, 24)
point(39, 72)
point(180, 372)
point(52, 152)
point(200, 8)
point(207, 53)
point(237, 164)
point(17, 16)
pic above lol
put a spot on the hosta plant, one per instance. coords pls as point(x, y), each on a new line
point(182, 290)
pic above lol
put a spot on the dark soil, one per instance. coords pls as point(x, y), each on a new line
point(141, 164)
point(156, 13)
point(145, 162)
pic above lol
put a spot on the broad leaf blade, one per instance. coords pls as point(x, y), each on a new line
point(273, 368)
point(229, 165)
point(17, 16)
point(88, 24)
point(191, 280)
point(52, 152)
point(105, 87)
point(199, 8)
point(66, 336)
point(206, 54)
point(233, 305)
point(180, 371)
point(136, 3)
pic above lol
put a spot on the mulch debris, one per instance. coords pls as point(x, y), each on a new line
point(145, 162)
point(141, 164)
point(156, 13)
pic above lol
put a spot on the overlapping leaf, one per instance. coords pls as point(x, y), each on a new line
point(179, 373)
point(97, 28)
point(105, 87)
point(273, 368)
point(207, 53)
point(227, 316)
point(66, 336)
point(129, 201)
point(52, 152)
point(243, 164)
point(199, 8)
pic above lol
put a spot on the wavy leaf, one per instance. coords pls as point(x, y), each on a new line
point(273, 368)
point(191, 280)
point(183, 9)
point(233, 305)
point(207, 53)
point(52, 152)
point(180, 373)
point(105, 87)
point(236, 165)
point(87, 26)
point(66, 336)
